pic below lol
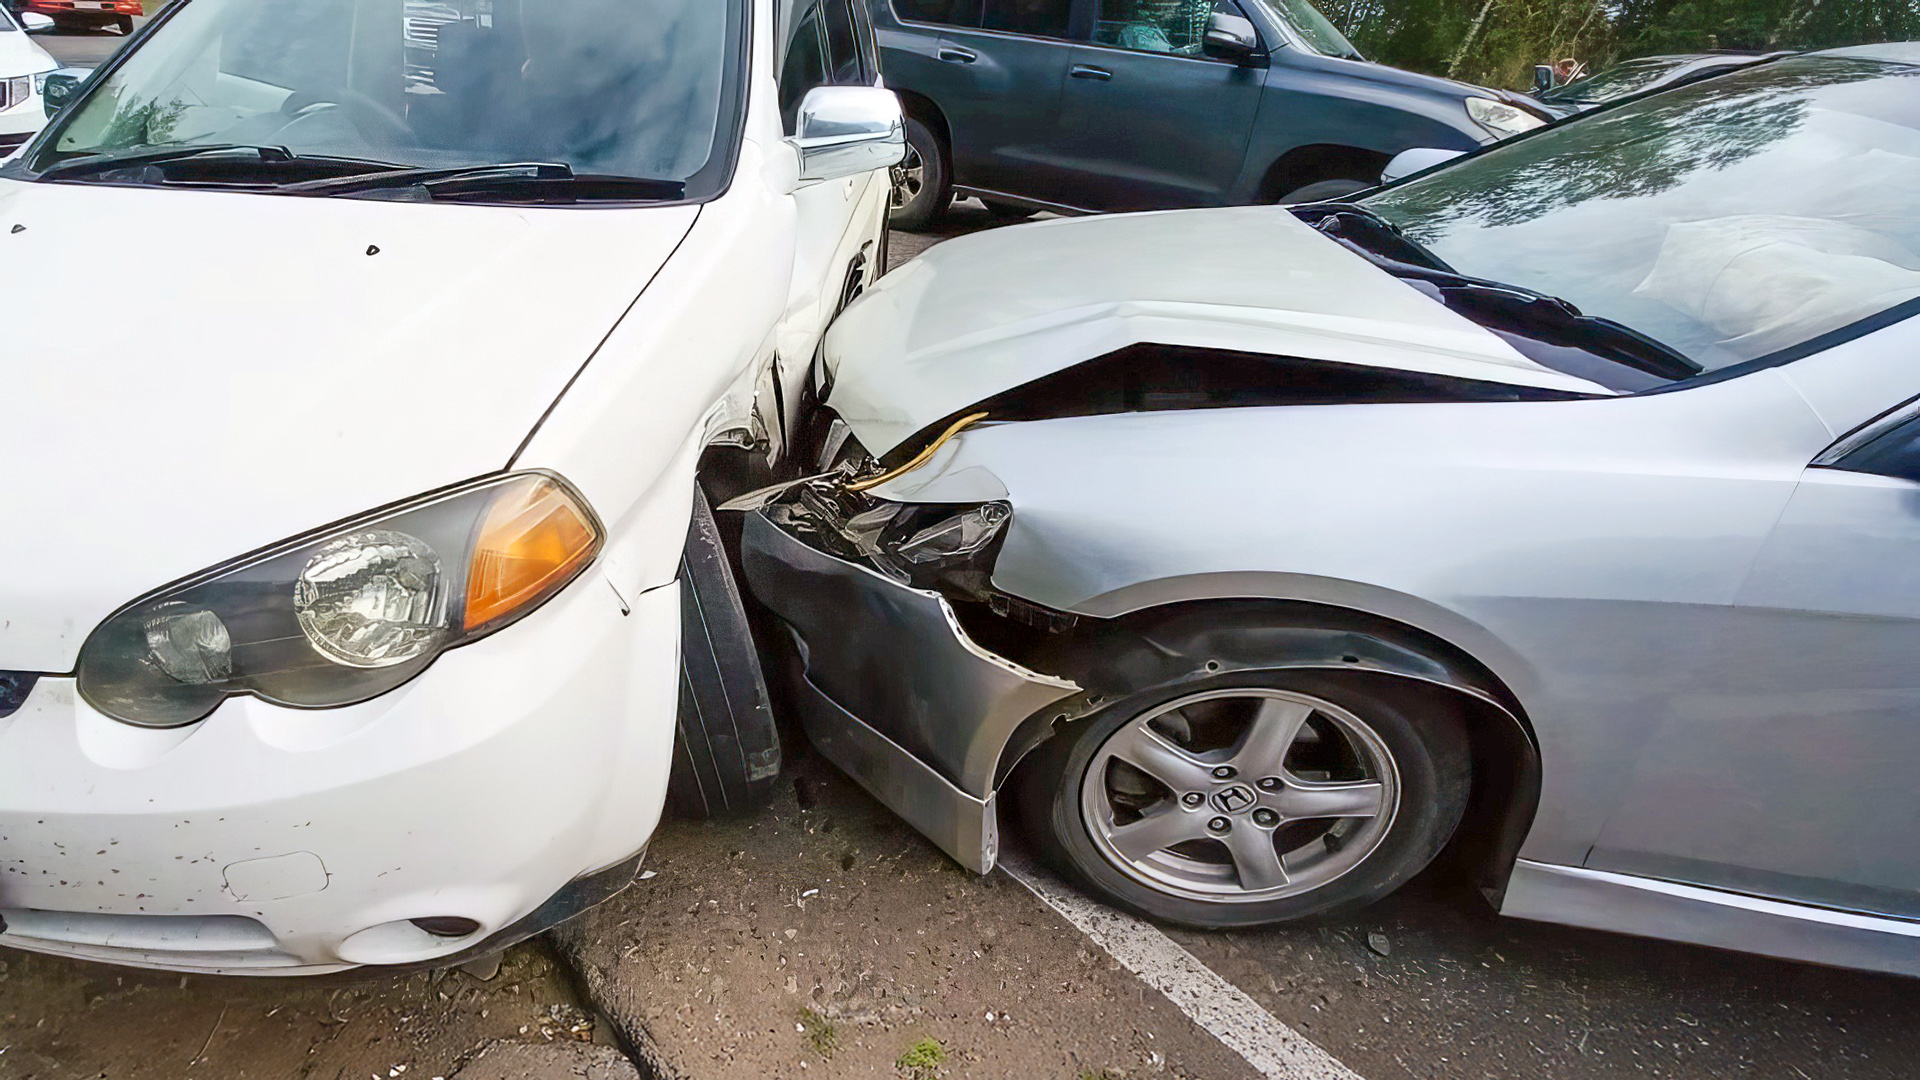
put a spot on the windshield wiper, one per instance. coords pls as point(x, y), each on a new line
point(536, 180)
point(95, 164)
point(1495, 304)
point(91, 164)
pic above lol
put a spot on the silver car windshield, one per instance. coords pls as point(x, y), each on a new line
point(627, 88)
point(1729, 219)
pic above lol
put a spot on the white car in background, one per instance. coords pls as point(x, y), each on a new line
point(348, 628)
point(24, 66)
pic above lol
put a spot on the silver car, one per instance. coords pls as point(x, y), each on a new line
point(1560, 505)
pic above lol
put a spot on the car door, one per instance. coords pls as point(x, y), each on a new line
point(1003, 111)
point(838, 221)
point(1148, 120)
point(1798, 784)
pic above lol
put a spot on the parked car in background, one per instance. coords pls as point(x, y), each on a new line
point(24, 67)
point(351, 632)
point(1562, 498)
point(88, 14)
point(1644, 75)
point(1095, 105)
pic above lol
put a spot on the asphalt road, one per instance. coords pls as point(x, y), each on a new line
point(824, 938)
point(84, 48)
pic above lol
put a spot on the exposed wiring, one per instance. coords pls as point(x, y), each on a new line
point(920, 458)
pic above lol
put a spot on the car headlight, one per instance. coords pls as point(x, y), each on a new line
point(1500, 118)
point(40, 82)
point(347, 614)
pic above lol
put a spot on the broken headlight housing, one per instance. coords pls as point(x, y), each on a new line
point(347, 614)
point(927, 546)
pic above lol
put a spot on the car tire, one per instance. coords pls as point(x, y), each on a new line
point(922, 183)
point(125, 24)
point(726, 752)
point(1354, 730)
point(1008, 213)
point(1322, 190)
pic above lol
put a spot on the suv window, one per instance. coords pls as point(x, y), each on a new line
point(1174, 27)
point(1041, 18)
point(806, 66)
point(942, 12)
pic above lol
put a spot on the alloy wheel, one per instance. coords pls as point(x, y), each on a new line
point(1240, 795)
point(909, 179)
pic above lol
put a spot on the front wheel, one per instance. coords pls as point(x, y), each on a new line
point(125, 23)
point(1250, 799)
point(922, 183)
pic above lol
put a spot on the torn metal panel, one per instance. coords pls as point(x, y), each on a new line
point(894, 659)
point(930, 338)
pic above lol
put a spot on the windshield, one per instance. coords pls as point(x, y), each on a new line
point(1616, 81)
point(624, 88)
point(1320, 35)
point(1727, 219)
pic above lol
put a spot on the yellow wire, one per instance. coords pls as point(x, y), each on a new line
point(920, 458)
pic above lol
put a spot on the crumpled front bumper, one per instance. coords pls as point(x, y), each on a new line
point(895, 693)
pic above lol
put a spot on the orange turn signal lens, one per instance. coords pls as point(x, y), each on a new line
point(536, 537)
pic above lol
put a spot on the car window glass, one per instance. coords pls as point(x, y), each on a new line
point(943, 12)
point(869, 48)
point(1173, 27)
point(1728, 219)
point(1041, 18)
point(843, 43)
point(806, 67)
point(609, 87)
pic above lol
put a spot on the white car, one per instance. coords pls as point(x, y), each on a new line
point(341, 603)
point(23, 74)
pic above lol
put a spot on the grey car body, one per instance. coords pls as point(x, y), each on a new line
point(1654, 567)
point(1049, 110)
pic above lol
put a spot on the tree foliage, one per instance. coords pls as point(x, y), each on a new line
point(1497, 42)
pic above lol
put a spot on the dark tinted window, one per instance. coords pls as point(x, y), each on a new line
point(1043, 18)
point(943, 12)
point(806, 66)
point(843, 43)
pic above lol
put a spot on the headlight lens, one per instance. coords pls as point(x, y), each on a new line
point(347, 615)
point(1502, 119)
point(40, 82)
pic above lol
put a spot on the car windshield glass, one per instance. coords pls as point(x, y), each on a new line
point(1727, 219)
point(1616, 81)
point(1320, 35)
point(608, 87)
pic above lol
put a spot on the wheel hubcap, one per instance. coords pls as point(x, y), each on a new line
point(909, 178)
point(1240, 795)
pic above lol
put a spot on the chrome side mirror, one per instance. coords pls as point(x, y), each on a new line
point(1418, 159)
point(848, 130)
point(35, 22)
point(1232, 37)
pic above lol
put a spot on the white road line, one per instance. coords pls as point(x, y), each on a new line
point(1277, 1051)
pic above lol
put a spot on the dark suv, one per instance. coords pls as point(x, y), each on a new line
point(1093, 105)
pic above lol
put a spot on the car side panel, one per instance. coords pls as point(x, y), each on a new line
point(1323, 101)
point(1599, 544)
point(1003, 112)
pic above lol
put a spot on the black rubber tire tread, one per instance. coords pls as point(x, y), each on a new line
point(726, 754)
point(1320, 190)
point(1425, 735)
point(125, 25)
point(937, 193)
point(1008, 212)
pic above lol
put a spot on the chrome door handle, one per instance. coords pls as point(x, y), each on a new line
point(953, 55)
point(1088, 71)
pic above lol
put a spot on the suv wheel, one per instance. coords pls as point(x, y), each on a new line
point(922, 183)
point(1321, 190)
point(1251, 798)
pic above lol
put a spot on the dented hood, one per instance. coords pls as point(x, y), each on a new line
point(989, 312)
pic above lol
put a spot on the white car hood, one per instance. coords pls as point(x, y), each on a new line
point(988, 312)
point(21, 55)
point(190, 375)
